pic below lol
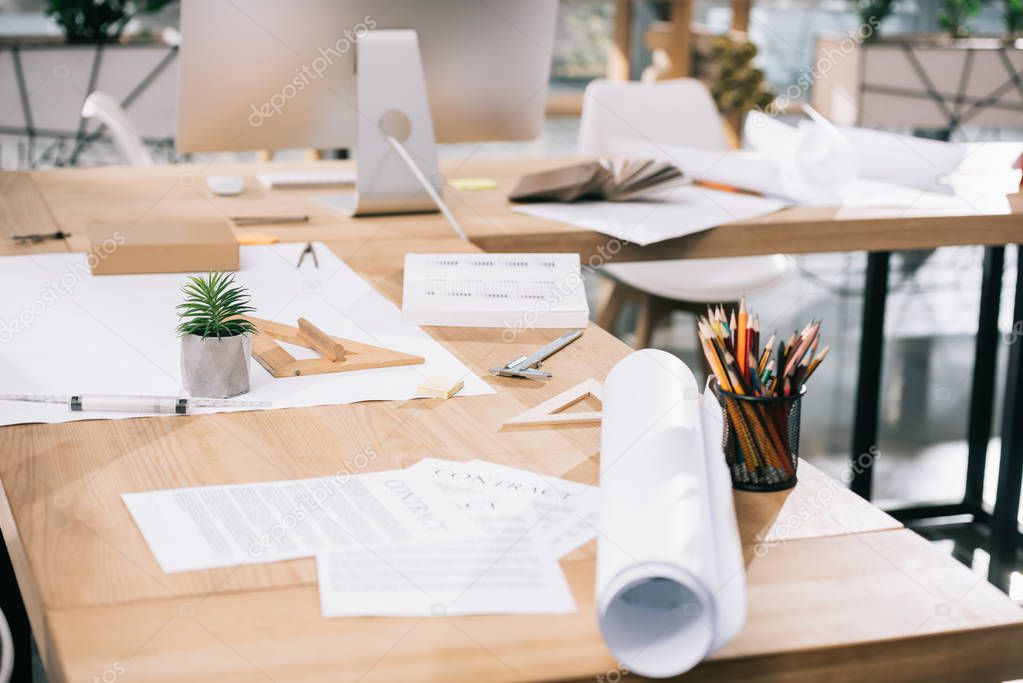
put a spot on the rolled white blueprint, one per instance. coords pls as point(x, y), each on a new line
point(670, 585)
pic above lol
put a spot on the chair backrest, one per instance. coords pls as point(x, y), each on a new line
point(106, 110)
point(676, 112)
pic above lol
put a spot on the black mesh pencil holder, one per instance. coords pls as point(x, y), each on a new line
point(760, 439)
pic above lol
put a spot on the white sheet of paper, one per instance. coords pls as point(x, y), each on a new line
point(903, 159)
point(205, 527)
point(869, 169)
point(306, 179)
point(757, 171)
point(682, 210)
point(466, 490)
point(564, 512)
point(507, 573)
point(494, 290)
point(670, 583)
point(66, 331)
point(751, 170)
point(897, 200)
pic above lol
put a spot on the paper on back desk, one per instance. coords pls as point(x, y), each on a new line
point(750, 170)
point(874, 155)
point(67, 332)
point(904, 159)
point(753, 171)
point(676, 212)
point(809, 163)
point(670, 585)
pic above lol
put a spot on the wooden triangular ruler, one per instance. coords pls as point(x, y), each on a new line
point(338, 354)
point(550, 411)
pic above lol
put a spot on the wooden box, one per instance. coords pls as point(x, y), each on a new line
point(162, 246)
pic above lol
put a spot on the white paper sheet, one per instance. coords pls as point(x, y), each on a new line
point(494, 290)
point(887, 200)
point(757, 171)
point(750, 170)
point(222, 526)
point(564, 512)
point(66, 331)
point(510, 573)
point(670, 584)
point(903, 159)
point(306, 179)
point(680, 211)
point(466, 488)
point(567, 511)
point(506, 568)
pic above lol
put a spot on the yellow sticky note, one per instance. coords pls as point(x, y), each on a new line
point(440, 387)
point(256, 238)
point(473, 183)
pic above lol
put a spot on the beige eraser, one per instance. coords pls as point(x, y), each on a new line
point(440, 387)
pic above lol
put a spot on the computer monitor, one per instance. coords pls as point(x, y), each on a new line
point(269, 74)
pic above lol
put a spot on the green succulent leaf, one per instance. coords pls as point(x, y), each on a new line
point(214, 306)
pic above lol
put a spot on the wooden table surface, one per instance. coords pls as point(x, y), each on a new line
point(493, 226)
point(838, 590)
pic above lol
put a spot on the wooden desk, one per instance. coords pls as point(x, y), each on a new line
point(178, 192)
point(838, 590)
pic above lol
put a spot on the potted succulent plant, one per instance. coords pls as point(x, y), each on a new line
point(216, 337)
point(95, 21)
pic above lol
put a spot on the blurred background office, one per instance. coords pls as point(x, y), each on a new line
point(54, 53)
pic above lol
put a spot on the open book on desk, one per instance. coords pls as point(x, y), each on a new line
point(613, 179)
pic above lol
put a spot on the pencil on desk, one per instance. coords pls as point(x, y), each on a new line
point(742, 335)
point(755, 344)
point(816, 361)
point(732, 327)
point(766, 355)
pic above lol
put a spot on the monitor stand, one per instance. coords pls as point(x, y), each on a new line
point(396, 153)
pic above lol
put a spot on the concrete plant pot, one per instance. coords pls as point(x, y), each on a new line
point(216, 367)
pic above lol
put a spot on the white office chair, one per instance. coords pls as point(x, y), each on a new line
point(676, 112)
point(108, 111)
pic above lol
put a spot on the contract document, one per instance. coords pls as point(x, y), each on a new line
point(565, 511)
point(205, 527)
point(505, 571)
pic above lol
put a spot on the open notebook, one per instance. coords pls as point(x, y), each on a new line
point(611, 179)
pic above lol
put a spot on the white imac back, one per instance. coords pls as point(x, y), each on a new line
point(266, 74)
